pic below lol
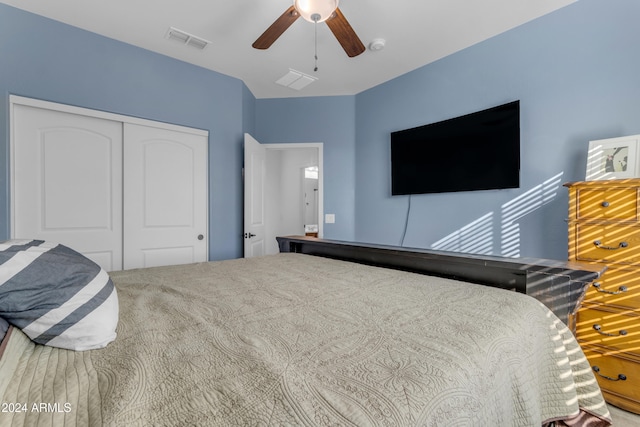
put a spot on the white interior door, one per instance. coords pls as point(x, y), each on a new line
point(67, 182)
point(254, 197)
point(165, 197)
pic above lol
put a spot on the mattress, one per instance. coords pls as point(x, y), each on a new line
point(293, 339)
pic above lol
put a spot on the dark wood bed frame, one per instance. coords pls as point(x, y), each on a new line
point(557, 284)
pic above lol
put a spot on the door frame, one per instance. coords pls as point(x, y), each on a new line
point(81, 111)
point(282, 147)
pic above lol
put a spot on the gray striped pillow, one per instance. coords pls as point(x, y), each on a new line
point(57, 296)
point(4, 326)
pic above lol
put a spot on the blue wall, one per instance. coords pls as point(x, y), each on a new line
point(575, 72)
point(330, 120)
point(45, 59)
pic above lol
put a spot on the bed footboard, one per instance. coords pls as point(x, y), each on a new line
point(557, 284)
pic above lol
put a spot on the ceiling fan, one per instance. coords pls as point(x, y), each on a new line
point(315, 11)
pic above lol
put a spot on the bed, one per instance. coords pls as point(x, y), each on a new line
point(313, 340)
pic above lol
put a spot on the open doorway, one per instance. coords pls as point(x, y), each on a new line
point(283, 193)
point(290, 196)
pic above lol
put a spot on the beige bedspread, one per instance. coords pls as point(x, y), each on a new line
point(298, 340)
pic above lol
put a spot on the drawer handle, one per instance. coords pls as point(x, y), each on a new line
point(605, 204)
point(620, 290)
point(621, 377)
point(598, 329)
point(599, 244)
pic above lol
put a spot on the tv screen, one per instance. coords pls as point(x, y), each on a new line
point(477, 151)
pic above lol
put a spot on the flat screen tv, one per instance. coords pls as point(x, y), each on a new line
point(477, 151)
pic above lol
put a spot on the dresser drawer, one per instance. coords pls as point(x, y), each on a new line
point(617, 286)
point(603, 326)
point(607, 242)
point(610, 371)
point(612, 203)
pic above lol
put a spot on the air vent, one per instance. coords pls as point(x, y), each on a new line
point(296, 79)
point(186, 38)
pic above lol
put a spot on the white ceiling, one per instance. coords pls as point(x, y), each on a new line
point(417, 32)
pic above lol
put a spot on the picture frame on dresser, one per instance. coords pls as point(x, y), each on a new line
point(613, 158)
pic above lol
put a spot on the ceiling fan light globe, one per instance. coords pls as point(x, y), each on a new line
point(308, 8)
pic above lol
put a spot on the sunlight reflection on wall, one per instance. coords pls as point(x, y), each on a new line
point(481, 235)
point(475, 237)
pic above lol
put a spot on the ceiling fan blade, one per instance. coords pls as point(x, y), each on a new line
point(276, 29)
point(347, 38)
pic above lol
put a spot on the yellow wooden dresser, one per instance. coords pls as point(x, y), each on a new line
point(604, 229)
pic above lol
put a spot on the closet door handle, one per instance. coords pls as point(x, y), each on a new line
point(200, 237)
point(599, 244)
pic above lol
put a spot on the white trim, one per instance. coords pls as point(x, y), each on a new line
point(320, 147)
point(10, 172)
point(81, 111)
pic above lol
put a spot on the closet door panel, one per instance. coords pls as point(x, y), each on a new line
point(67, 182)
point(165, 197)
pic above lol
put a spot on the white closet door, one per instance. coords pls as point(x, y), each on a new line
point(165, 197)
point(67, 182)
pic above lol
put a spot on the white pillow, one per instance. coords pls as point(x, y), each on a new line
point(57, 296)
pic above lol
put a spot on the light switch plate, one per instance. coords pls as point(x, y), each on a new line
point(330, 218)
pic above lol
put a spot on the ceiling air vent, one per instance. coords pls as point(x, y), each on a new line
point(186, 38)
point(296, 79)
